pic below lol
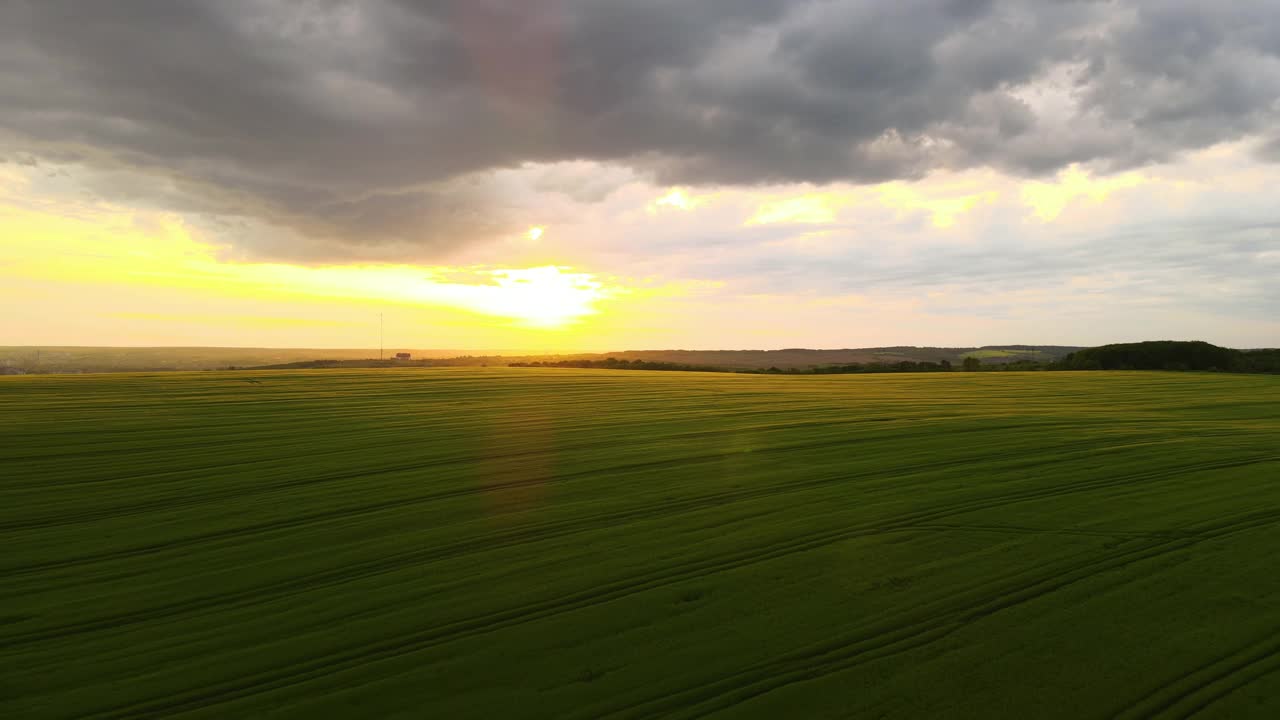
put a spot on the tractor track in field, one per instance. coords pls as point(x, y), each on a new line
point(400, 503)
point(1193, 691)
point(1254, 669)
point(111, 449)
point(239, 493)
point(289, 571)
point(493, 541)
point(330, 578)
point(1023, 530)
point(334, 514)
point(830, 658)
point(417, 641)
point(837, 656)
point(68, 519)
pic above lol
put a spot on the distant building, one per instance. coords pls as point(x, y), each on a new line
point(403, 356)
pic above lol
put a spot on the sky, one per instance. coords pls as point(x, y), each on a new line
point(594, 175)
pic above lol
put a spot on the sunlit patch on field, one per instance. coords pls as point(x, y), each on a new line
point(515, 459)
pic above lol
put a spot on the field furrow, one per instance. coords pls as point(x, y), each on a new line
point(537, 542)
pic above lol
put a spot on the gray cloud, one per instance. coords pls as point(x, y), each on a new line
point(374, 122)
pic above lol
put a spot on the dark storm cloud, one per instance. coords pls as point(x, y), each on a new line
point(370, 122)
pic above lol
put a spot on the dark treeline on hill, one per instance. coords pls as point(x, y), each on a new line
point(1154, 355)
point(613, 363)
point(790, 358)
point(1172, 355)
point(63, 359)
point(1157, 355)
point(1257, 361)
point(318, 364)
point(906, 366)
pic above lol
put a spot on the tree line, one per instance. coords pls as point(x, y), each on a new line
point(1153, 355)
point(616, 364)
point(1172, 355)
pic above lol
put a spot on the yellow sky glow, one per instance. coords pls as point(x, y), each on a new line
point(76, 269)
point(130, 253)
point(677, 199)
point(944, 205)
point(1049, 199)
point(943, 210)
point(812, 209)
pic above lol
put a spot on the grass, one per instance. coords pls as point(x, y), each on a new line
point(480, 543)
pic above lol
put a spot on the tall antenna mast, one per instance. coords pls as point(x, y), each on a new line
point(379, 336)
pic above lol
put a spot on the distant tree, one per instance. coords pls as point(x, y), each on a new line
point(946, 365)
point(971, 364)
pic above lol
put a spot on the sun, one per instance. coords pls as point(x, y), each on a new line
point(548, 297)
point(543, 296)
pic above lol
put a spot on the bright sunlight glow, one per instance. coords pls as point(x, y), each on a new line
point(539, 297)
point(543, 296)
point(167, 255)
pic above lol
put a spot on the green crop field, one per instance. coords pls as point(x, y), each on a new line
point(509, 543)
